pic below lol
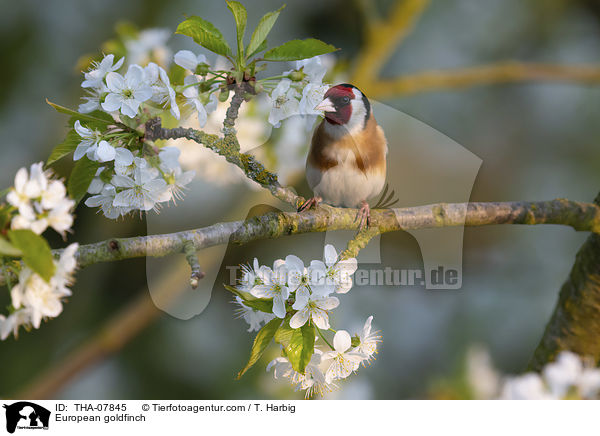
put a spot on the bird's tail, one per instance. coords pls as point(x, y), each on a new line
point(386, 200)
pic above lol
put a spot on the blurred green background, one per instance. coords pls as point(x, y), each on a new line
point(537, 142)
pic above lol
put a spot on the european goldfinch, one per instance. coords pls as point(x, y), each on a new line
point(346, 164)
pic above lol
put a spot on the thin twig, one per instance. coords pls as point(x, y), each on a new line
point(191, 256)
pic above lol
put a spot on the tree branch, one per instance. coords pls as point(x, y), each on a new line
point(575, 323)
point(580, 216)
point(231, 115)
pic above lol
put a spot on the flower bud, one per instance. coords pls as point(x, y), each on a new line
point(202, 69)
point(297, 76)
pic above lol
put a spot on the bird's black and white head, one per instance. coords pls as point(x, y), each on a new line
point(346, 106)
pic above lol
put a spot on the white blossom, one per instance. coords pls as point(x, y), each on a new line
point(176, 180)
point(150, 44)
point(65, 269)
point(252, 276)
point(314, 307)
point(95, 77)
point(41, 201)
point(162, 92)
point(35, 299)
point(12, 323)
point(343, 362)
point(126, 93)
point(274, 287)
point(483, 378)
point(188, 60)
point(569, 374)
point(174, 176)
point(298, 276)
point(105, 201)
point(339, 271)
point(312, 95)
point(89, 143)
point(568, 377)
point(60, 217)
point(142, 191)
point(92, 99)
point(285, 102)
point(254, 318)
point(529, 386)
point(313, 68)
point(368, 340)
point(202, 103)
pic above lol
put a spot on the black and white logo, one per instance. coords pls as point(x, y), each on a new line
point(26, 415)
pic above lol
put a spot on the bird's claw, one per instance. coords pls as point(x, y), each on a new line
point(363, 216)
point(311, 202)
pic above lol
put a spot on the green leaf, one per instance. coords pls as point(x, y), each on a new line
point(298, 344)
point(262, 47)
point(7, 249)
point(241, 16)
point(301, 347)
point(298, 49)
point(205, 34)
point(251, 301)
point(283, 335)
point(261, 342)
point(82, 175)
point(259, 36)
point(102, 118)
point(36, 252)
point(66, 147)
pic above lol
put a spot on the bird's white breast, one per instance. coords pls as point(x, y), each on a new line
point(344, 184)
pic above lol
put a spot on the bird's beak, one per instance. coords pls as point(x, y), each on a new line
point(326, 105)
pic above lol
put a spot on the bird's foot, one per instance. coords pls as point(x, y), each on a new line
point(311, 202)
point(363, 216)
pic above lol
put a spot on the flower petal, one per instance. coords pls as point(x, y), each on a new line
point(328, 303)
point(186, 59)
point(320, 319)
point(105, 152)
point(341, 341)
point(112, 102)
point(115, 82)
point(278, 306)
point(330, 255)
point(123, 157)
point(299, 319)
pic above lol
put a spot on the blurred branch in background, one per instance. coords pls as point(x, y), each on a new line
point(110, 338)
point(505, 72)
point(384, 36)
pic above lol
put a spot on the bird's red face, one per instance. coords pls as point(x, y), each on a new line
point(337, 104)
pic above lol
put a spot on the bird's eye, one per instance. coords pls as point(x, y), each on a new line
point(346, 100)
